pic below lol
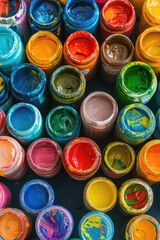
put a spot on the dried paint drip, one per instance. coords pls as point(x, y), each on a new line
point(55, 222)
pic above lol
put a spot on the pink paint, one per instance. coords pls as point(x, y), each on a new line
point(5, 196)
point(44, 157)
point(2, 123)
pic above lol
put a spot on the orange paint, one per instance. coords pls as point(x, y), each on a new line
point(7, 153)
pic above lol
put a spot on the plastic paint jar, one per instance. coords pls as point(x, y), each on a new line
point(24, 122)
point(55, 222)
point(3, 130)
point(81, 158)
point(63, 123)
point(135, 124)
point(5, 196)
point(13, 162)
point(157, 129)
point(147, 48)
point(117, 16)
point(144, 226)
point(28, 84)
point(46, 16)
point(81, 50)
point(12, 52)
point(136, 83)
point(137, 4)
point(14, 224)
point(44, 50)
point(118, 160)
point(67, 85)
point(81, 15)
point(116, 51)
point(98, 112)
point(35, 196)
point(44, 157)
point(96, 225)
point(100, 194)
point(150, 15)
point(13, 14)
point(135, 197)
point(148, 162)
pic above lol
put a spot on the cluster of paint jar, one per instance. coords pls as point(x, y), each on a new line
point(50, 53)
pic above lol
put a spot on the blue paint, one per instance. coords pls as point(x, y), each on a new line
point(46, 15)
point(24, 121)
point(157, 130)
point(36, 195)
point(28, 84)
point(81, 15)
point(6, 99)
point(12, 52)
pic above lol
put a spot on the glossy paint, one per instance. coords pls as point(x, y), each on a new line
point(5, 196)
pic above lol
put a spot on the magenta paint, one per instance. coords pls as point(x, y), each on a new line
point(5, 196)
point(3, 130)
point(44, 157)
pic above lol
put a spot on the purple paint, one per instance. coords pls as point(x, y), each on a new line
point(5, 196)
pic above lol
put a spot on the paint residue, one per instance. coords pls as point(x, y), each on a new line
point(117, 51)
point(7, 42)
point(7, 153)
point(9, 8)
point(81, 11)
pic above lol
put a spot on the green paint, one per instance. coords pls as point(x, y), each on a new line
point(62, 122)
point(118, 164)
point(137, 79)
point(67, 82)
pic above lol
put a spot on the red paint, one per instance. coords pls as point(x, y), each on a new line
point(2, 122)
point(9, 7)
point(117, 16)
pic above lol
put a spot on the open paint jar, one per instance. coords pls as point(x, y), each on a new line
point(118, 160)
point(5, 196)
point(81, 158)
point(100, 194)
point(3, 130)
point(135, 197)
point(35, 196)
point(55, 222)
point(44, 157)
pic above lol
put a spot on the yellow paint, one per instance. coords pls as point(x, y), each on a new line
point(10, 226)
point(1, 84)
point(143, 229)
point(101, 194)
point(153, 9)
point(151, 44)
point(7, 153)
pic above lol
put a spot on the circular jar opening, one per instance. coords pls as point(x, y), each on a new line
point(152, 159)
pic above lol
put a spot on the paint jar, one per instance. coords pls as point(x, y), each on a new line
point(135, 197)
point(13, 162)
point(14, 224)
point(136, 83)
point(5, 196)
point(35, 196)
point(135, 124)
point(98, 112)
point(63, 123)
point(137, 4)
point(11, 49)
point(6, 99)
point(67, 86)
point(96, 225)
point(55, 222)
point(117, 16)
point(44, 157)
point(3, 129)
point(147, 166)
point(28, 84)
point(13, 15)
point(81, 15)
point(143, 225)
point(157, 129)
point(118, 160)
point(116, 51)
point(44, 50)
point(81, 50)
point(100, 194)
point(24, 122)
point(81, 158)
point(146, 48)
point(155, 101)
point(46, 16)
point(149, 16)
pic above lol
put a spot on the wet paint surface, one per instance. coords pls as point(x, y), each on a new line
point(136, 196)
point(5, 196)
point(151, 44)
point(67, 82)
point(152, 159)
point(116, 15)
point(9, 8)
point(96, 226)
point(117, 50)
point(7, 42)
point(154, 9)
point(7, 153)
point(45, 12)
point(81, 11)
point(55, 223)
